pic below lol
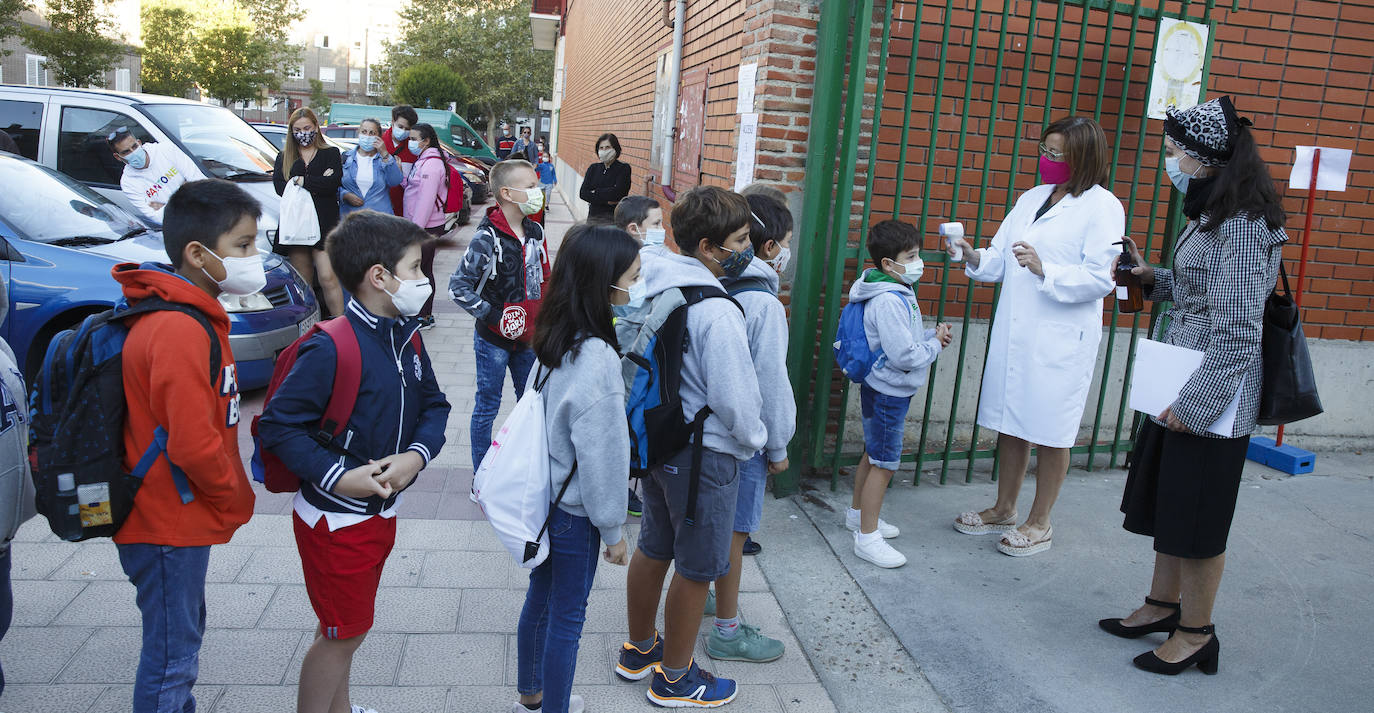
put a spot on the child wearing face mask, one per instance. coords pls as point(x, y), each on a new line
point(345, 511)
point(642, 218)
point(892, 326)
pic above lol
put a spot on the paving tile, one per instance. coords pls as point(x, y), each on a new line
point(273, 565)
point(92, 560)
point(102, 604)
point(490, 610)
point(108, 655)
point(432, 534)
point(606, 611)
point(256, 699)
point(752, 579)
point(466, 699)
point(20, 698)
point(595, 660)
point(35, 529)
point(236, 606)
point(407, 699)
point(470, 570)
point(289, 609)
point(403, 568)
point(45, 652)
point(483, 536)
point(374, 664)
point(457, 506)
point(791, 668)
point(805, 698)
point(38, 602)
point(226, 561)
point(265, 531)
point(417, 610)
point(120, 699)
point(37, 560)
point(237, 657)
point(444, 659)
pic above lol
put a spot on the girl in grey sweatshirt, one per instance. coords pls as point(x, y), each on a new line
point(578, 374)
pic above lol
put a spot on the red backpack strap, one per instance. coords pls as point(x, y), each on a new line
point(348, 377)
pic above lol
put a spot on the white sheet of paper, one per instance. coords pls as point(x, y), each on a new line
point(1331, 172)
point(748, 143)
point(748, 77)
point(1161, 370)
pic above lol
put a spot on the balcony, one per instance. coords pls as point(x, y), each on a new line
point(545, 16)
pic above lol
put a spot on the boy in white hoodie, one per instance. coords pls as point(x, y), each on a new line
point(711, 228)
point(892, 325)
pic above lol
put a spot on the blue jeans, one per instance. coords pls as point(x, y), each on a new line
point(492, 363)
point(171, 596)
point(555, 609)
point(6, 604)
point(884, 420)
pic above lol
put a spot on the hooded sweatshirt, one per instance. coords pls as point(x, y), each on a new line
point(765, 320)
point(424, 190)
point(16, 486)
point(584, 413)
point(168, 168)
point(167, 383)
point(718, 370)
point(892, 323)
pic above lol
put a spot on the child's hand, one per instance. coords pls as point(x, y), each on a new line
point(777, 466)
point(619, 553)
point(399, 470)
point(362, 482)
point(945, 333)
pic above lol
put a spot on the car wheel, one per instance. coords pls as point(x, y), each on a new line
point(38, 348)
point(464, 215)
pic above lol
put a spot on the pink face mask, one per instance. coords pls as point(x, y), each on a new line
point(1055, 172)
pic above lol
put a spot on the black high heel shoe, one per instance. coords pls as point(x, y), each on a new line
point(1165, 625)
point(1206, 657)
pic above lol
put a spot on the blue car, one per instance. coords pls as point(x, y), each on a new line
point(59, 240)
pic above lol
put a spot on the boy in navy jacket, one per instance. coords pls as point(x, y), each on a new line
point(345, 511)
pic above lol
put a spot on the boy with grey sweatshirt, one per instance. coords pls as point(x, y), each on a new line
point(711, 228)
point(893, 328)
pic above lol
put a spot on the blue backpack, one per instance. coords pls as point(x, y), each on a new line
point(77, 411)
point(852, 354)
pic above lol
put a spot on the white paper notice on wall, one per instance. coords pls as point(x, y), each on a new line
point(1331, 170)
point(748, 77)
point(1180, 55)
point(748, 144)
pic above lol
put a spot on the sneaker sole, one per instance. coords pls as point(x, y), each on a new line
point(687, 702)
point(884, 565)
point(631, 675)
point(632, 513)
point(886, 536)
point(984, 529)
point(1036, 548)
point(745, 659)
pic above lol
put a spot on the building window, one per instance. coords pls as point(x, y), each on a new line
point(355, 76)
point(82, 150)
point(296, 72)
point(35, 70)
point(122, 80)
point(327, 74)
point(373, 88)
point(322, 41)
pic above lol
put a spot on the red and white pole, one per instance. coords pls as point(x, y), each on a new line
point(1306, 241)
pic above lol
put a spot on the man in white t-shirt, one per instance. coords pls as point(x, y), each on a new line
point(152, 172)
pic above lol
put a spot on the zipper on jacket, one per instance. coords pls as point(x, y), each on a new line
point(400, 371)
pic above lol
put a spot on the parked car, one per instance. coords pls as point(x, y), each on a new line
point(452, 129)
point(66, 130)
point(277, 133)
point(58, 242)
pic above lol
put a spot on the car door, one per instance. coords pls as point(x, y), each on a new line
point(79, 141)
point(8, 256)
point(21, 116)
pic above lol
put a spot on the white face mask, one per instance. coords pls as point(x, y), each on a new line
point(780, 262)
point(637, 293)
point(534, 200)
point(912, 271)
point(606, 154)
point(243, 276)
point(410, 297)
point(655, 236)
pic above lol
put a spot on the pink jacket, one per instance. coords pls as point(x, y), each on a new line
point(423, 202)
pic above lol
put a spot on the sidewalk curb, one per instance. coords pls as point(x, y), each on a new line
point(855, 654)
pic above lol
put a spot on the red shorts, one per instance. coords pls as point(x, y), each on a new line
point(342, 571)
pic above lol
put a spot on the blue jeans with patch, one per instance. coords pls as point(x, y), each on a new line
point(492, 364)
point(555, 609)
point(171, 597)
point(884, 426)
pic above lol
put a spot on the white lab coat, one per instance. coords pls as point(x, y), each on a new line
point(1046, 329)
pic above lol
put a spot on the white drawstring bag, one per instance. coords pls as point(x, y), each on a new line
point(513, 483)
point(297, 224)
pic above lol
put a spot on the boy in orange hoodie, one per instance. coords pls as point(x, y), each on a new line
point(210, 234)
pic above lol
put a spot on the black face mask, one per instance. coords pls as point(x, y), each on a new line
point(1198, 196)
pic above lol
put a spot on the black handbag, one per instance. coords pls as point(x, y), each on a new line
point(1288, 389)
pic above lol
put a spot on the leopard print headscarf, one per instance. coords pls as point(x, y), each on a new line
point(1206, 132)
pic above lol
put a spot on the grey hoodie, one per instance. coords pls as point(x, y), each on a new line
point(892, 323)
point(16, 486)
point(765, 319)
point(584, 413)
point(717, 370)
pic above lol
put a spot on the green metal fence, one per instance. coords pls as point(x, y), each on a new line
point(1046, 59)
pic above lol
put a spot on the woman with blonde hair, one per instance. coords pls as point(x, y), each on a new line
point(310, 163)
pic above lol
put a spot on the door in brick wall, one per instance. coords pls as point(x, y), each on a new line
point(691, 128)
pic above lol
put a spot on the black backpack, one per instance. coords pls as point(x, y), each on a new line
point(654, 348)
point(77, 411)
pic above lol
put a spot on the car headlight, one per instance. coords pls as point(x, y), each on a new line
point(256, 302)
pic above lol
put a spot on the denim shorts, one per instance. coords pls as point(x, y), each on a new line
point(753, 480)
point(884, 425)
point(700, 551)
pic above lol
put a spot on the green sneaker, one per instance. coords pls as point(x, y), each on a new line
point(747, 645)
point(710, 603)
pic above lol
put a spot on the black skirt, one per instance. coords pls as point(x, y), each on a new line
point(1182, 490)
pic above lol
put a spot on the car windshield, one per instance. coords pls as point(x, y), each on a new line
point(226, 145)
point(59, 209)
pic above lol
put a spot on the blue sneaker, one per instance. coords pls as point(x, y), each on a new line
point(636, 665)
point(694, 689)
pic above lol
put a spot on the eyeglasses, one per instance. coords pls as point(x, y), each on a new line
point(1050, 153)
point(121, 131)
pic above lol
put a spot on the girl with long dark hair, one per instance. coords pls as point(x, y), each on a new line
point(424, 202)
point(578, 374)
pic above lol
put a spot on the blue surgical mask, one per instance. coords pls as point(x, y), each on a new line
point(139, 158)
point(739, 260)
point(655, 236)
point(636, 293)
point(414, 146)
point(399, 134)
point(367, 142)
point(1177, 175)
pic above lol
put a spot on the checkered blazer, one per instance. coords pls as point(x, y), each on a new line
point(1218, 285)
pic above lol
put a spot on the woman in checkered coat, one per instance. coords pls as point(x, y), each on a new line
point(1184, 480)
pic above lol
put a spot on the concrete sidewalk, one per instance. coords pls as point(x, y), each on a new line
point(444, 640)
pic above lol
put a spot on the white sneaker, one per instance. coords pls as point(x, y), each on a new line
point(359, 709)
point(873, 548)
point(575, 705)
point(851, 521)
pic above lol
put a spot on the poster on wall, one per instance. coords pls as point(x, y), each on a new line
point(1180, 56)
point(748, 147)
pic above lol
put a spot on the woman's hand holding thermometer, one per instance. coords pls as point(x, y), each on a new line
point(955, 244)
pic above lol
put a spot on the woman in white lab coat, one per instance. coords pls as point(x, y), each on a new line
point(1053, 255)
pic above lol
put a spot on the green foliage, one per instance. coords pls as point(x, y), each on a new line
point(9, 20)
point(430, 85)
point(168, 67)
point(319, 101)
point(487, 42)
point(232, 65)
point(75, 43)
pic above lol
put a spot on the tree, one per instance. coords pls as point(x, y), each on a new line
point(9, 21)
point(430, 85)
point(232, 65)
point(75, 44)
point(319, 101)
point(168, 68)
point(487, 43)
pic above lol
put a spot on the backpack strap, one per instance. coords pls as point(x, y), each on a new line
point(157, 304)
point(697, 293)
point(694, 482)
point(157, 449)
point(749, 284)
point(348, 376)
point(493, 263)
